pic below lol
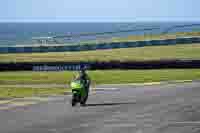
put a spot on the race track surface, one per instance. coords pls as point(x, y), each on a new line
point(169, 108)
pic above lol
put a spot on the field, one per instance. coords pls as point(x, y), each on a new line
point(98, 77)
point(19, 92)
point(186, 51)
point(131, 38)
point(10, 82)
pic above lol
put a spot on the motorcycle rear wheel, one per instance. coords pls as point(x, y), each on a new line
point(83, 101)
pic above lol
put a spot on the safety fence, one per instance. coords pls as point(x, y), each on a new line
point(72, 66)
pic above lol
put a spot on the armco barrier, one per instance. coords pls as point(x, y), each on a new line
point(61, 66)
point(87, 47)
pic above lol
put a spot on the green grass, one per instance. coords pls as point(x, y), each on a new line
point(142, 76)
point(35, 77)
point(98, 77)
point(15, 92)
point(188, 51)
point(154, 37)
point(132, 38)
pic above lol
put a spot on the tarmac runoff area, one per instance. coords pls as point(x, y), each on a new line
point(151, 108)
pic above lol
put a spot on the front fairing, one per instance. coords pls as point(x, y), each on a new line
point(78, 87)
point(76, 84)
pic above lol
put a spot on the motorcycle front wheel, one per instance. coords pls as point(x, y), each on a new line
point(74, 100)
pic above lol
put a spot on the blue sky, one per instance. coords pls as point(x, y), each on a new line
point(99, 10)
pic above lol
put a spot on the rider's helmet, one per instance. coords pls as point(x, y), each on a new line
point(82, 73)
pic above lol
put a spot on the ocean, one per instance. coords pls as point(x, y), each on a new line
point(22, 33)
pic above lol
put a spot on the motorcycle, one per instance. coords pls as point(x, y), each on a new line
point(79, 93)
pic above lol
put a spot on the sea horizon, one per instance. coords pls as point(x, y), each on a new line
point(13, 33)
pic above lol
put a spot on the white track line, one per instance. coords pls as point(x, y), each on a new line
point(105, 88)
point(185, 123)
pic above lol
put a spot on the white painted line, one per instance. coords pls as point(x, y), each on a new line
point(136, 84)
point(182, 81)
point(5, 101)
point(5, 108)
point(151, 83)
point(37, 98)
point(22, 103)
point(120, 125)
point(185, 123)
point(106, 89)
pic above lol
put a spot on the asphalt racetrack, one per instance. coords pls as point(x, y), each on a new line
point(166, 108)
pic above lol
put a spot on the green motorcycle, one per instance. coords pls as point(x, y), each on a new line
point(79, 93)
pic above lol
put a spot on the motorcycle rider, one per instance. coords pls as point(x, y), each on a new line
point(83, 77)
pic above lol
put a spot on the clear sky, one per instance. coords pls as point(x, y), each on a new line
point(99, 10)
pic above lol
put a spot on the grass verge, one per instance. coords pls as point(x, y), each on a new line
point(187, 51)
point(98, 77)
point(132, 38)
point(16, 92)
